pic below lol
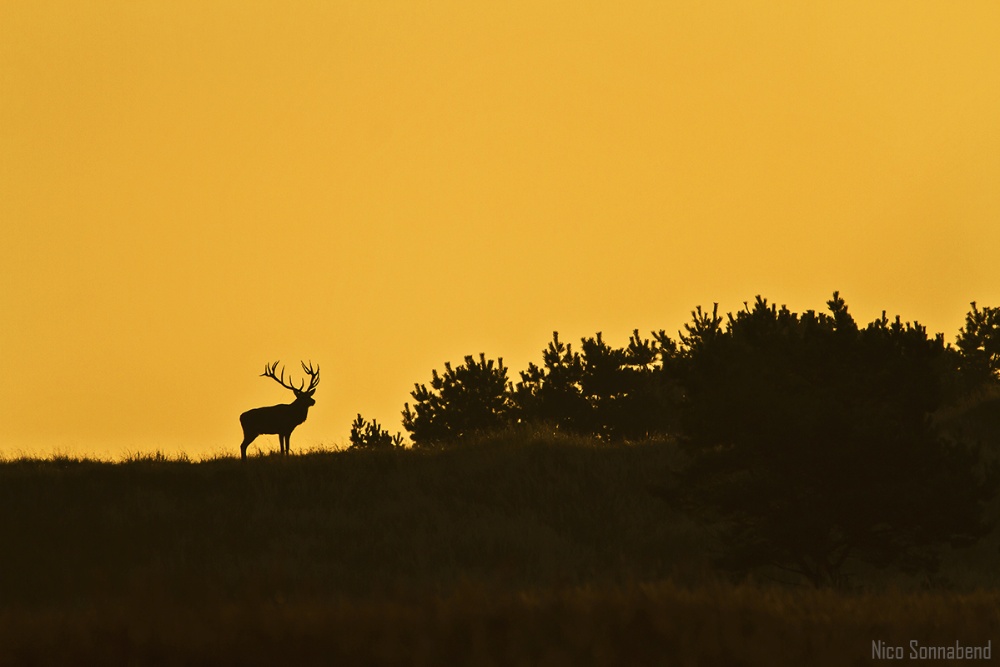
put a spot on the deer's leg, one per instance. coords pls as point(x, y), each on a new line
point(247, 439)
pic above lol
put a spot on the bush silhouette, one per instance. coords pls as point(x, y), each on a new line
point(467, 399)
point(370, 435)
point(614, 393)
point(979, 342)
point(810, 439)
point(632, 393)
point(553, 394)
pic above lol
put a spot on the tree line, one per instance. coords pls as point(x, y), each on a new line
point(809, 439)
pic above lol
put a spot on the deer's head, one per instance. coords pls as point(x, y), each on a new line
point(303, 395)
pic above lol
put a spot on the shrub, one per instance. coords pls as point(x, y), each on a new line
point(369, 435)
point(615, 393)
point(979, 342)
point(553, 393)
point(810, 437)
point(466, 399)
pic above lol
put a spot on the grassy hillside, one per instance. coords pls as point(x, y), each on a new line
point(514, 550)
point(352, 523)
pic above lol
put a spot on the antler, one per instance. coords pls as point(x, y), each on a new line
point(269, 372)
point(313, 377)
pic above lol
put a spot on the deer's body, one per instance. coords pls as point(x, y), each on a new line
point(282, 419)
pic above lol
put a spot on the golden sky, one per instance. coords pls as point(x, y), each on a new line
point(191, 189)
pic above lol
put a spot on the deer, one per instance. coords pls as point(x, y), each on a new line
point(282, 419)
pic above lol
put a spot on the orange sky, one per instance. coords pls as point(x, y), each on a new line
point(191, 189)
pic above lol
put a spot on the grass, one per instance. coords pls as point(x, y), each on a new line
point(519, 549)
point(657, 624)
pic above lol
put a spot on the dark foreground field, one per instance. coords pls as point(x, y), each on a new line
point(514, 551)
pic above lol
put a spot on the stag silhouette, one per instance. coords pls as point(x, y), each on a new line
point(282, 419)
